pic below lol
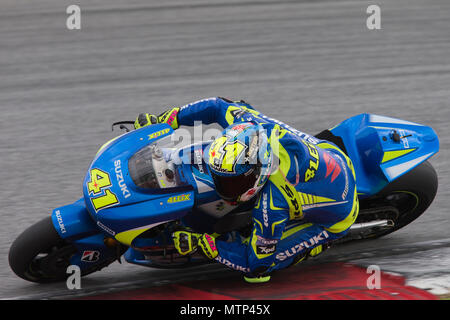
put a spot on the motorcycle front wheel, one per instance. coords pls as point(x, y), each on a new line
point(39, 254)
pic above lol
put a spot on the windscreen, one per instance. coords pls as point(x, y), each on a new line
point(150, 168)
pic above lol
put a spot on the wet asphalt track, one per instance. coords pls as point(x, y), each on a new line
point(309, 63)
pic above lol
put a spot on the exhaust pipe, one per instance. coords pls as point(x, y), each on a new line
point(368, 225)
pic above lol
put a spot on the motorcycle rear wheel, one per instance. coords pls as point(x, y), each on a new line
point(411, 195)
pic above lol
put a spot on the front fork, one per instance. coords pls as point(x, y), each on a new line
point(94, 248)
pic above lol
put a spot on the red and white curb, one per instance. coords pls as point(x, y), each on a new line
point(331, 281)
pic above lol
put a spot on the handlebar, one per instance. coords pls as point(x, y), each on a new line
point(122, 125)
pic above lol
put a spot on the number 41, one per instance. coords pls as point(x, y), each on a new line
point(99, 183)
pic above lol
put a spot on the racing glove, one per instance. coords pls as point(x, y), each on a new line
point(170, 117)
point(208, 245)
point(187, 242)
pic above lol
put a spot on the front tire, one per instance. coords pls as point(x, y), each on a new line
point(39, 254)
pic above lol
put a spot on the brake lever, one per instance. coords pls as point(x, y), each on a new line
point(122, 125)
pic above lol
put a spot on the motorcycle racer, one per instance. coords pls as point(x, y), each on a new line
point(304, 188)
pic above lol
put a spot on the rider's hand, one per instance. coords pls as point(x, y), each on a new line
point(188, 242)
point(208, 245)
point(185, 242)
point(145, 119)
point(170, 117)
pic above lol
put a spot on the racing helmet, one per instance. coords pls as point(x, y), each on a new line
point(240, 161)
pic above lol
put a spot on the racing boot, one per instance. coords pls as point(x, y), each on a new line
point(260, 275)
point(256, 279)
point(314, 252)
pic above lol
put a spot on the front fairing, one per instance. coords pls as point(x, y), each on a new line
point(113, 199)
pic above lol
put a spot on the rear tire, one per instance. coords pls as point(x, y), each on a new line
point(411, 195)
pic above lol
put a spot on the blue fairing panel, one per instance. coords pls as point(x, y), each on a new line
point(383, 148)
point(73, 221)
point(74, 224)
point(165, 208)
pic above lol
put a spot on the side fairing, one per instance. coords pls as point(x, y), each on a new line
point(383, 148)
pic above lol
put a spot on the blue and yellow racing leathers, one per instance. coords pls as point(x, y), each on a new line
point(309, 200)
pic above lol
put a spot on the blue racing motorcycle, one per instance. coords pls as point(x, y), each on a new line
point(141, 187)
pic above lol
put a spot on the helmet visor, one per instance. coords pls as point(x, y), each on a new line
point(230, 188)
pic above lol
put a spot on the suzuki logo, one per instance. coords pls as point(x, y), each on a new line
point(332, 166)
